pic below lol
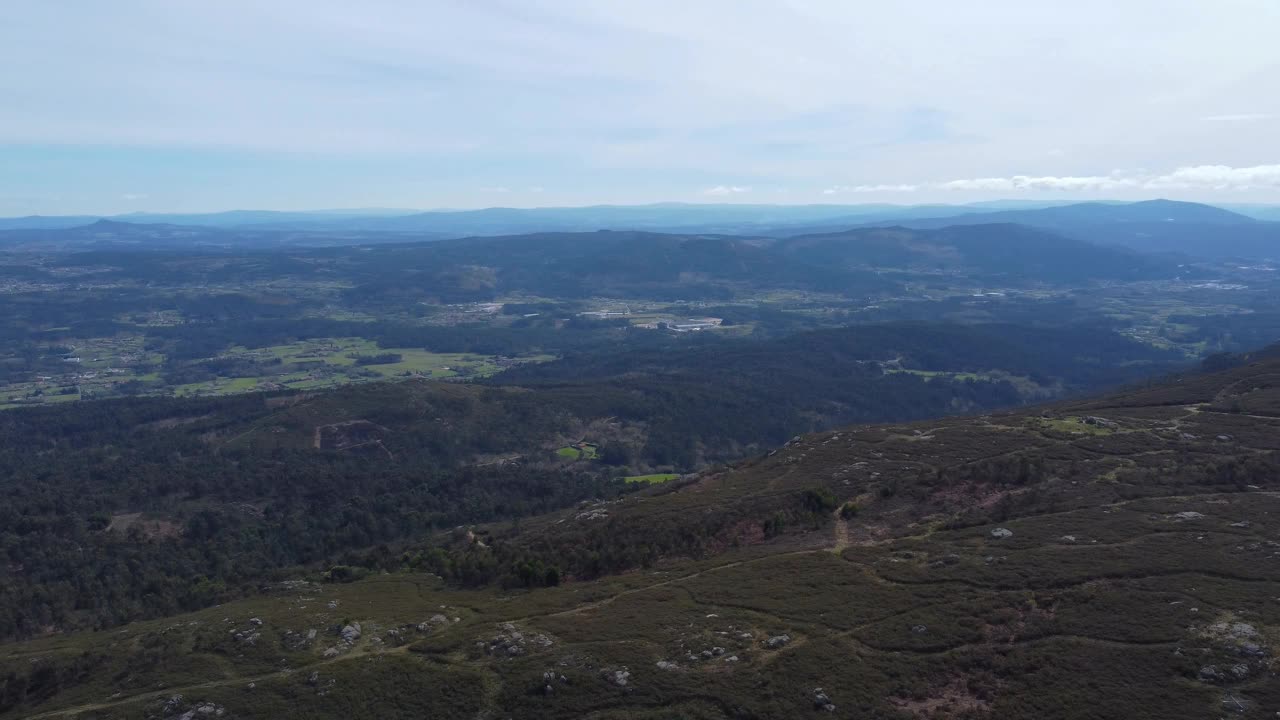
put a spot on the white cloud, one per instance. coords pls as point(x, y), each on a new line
point(1241, 117)
point(319, 102)
point(1046, 182)
point(134, 196)
point(1219, 177)
point(725, 190)
point(1198, 177)
point(841, 189)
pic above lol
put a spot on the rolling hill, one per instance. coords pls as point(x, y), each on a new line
point(603, 263)
point(1016, 252)
point(1154, 226)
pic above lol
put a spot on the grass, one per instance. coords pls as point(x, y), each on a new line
point(326, 363)
point(1069, 425)
point(654, 478)
point(579, 451)
point(931, 374)
point(1098, 605)
point(333, 361)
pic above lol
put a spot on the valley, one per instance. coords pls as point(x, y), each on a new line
point(965, 471)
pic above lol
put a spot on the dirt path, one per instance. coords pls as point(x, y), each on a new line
point(607, 600)
point(842, 534)
point(184, 690)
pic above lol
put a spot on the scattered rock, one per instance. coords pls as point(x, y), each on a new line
point(1243, 638)
point(513, 643)
point(1210, 673)
point(731, 658)
point(1241, 524)
point(617, 677)
point(351, 633)
point(255, 621)
point(821, 701)
point(332, 652)
point(777, 641)
point(667, 665)
point(431, 623)
point(333, 604)
point(1186, 515)
point(1251, 649)
point(919, 629)
point(592, 514)
point(1001, 533)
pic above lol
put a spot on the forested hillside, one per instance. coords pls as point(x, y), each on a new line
point(1021, 564)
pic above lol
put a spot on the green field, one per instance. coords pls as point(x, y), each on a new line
point(581, 451)
point(931, 374)
point(652, 479)
point(304, 365)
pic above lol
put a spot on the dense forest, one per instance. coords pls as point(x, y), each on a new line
point(138, 507)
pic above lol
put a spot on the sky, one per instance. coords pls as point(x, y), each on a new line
point(191, 106)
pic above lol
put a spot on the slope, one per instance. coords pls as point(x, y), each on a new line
point(1114, 557)
point(1151, 226)
point(1006, 251)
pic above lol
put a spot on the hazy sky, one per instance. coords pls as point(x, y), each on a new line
point(186, 105)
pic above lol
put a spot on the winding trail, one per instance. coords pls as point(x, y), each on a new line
point(183, 690)
point(840, 541)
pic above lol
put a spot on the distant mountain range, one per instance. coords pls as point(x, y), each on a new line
point(1162, 226)
point(499, 220)
point(856, 262)
point(1155, 226)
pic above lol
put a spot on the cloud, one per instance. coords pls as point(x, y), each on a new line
point(1219, 177)
point(1197, 177)
point(840, 189)
point(134, 196)
point(1241, 117)
point(495, 189)
point(315, 103)
point(1047, 182)
point(725, 190)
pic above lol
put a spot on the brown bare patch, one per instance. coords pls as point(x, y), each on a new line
point(951, 700)
point(347, 435)
point(151, 528)
point(284, 401)
point(172, 422)
point(741, 533)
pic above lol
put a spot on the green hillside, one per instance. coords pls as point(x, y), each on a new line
point(1107, 558)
